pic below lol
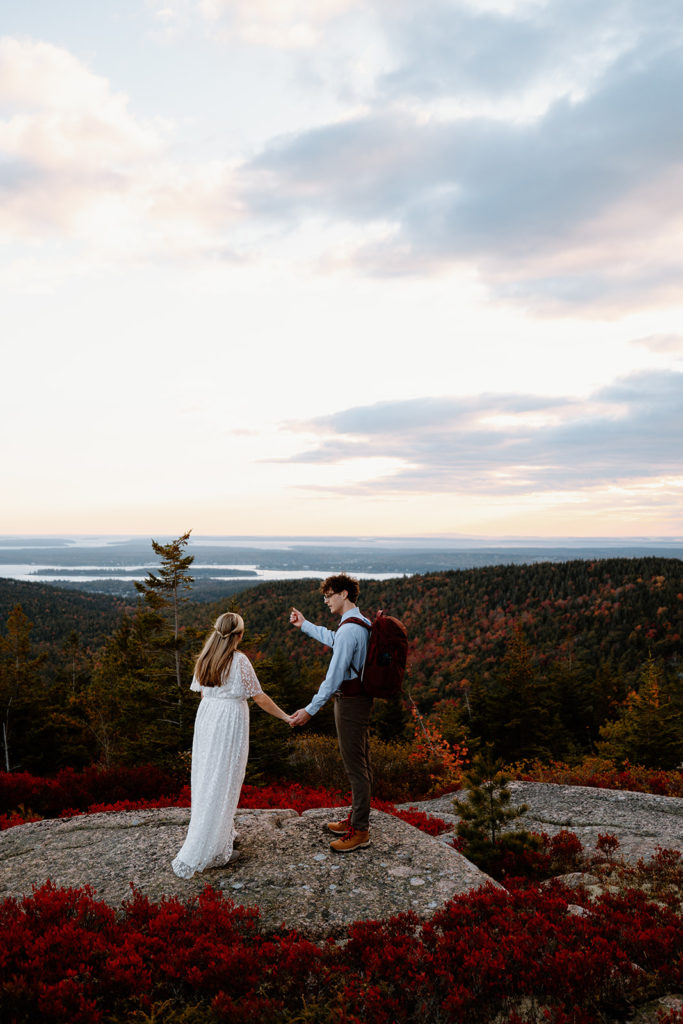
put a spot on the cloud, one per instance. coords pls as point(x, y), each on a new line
point(580, 205)
point(456, 49)
point(628, 432)
point(171, 19)
point(58, 109)
point(279, 24)
point(77, 166)
point(531, 142)
point(667, 344)
point(463, 49)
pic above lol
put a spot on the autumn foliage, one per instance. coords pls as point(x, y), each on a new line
point(516, 954)
point(547, 661)
point(601, 773)
point(80, 790)
point(493, 954)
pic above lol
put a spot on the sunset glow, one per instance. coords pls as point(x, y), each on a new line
point(341, 268)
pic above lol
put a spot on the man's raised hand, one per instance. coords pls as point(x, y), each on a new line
point(296, 618)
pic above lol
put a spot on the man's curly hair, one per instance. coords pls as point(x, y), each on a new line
point(335, 585)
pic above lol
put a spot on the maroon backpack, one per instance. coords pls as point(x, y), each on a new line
point(385, 663)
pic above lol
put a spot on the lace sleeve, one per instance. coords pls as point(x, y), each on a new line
point(194, 685)
point(248, 677)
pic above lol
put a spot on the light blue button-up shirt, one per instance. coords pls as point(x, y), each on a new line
point(349, 647)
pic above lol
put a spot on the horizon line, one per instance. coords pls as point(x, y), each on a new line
point(358, 538)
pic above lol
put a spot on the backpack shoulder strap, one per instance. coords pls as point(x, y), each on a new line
point(359, 622)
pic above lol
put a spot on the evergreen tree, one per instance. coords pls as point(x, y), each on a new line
point(132, 713)
point(269, 743)
point(516, 711)
point(58, 735)
point(649, 730)
point(19, 683)
point(487, 808)
point(486, 815)
point(390, 720)
point(163, 596)
point(75, 659)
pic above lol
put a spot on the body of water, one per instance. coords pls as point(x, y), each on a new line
point(113, 563)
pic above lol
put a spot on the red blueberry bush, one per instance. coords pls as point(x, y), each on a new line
point(27, 798)
point(493, 954)
point(48, 797)
point(512, 955)
point(601, 773)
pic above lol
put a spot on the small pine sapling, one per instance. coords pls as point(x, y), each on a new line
point(486, 815)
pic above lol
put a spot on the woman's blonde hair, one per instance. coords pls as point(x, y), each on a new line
point(215, 659)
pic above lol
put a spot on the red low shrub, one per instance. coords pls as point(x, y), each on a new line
point(515, 859)
point(428, 823)
point(18, 817)
point(300, 798)
point(492, 954)
point(601, 773)
point(607, 844)
point(289, 794)
point(48, 797)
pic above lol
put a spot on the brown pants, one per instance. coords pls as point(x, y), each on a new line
point(352, 719)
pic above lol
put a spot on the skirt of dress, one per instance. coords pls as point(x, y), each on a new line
point(219, 759)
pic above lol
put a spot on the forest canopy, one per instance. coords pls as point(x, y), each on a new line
point(546, 660)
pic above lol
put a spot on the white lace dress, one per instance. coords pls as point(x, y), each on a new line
point(219, 759)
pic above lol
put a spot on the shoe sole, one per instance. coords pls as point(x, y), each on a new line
point(338, 831)
point(351, 849)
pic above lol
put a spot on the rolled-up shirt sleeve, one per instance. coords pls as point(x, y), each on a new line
point(344, 644)
point(325, 636)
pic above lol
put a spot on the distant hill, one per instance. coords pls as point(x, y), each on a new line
point(534, 658)
point(612, 612)
point(56, 611)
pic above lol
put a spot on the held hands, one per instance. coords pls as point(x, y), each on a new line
point(299, 718)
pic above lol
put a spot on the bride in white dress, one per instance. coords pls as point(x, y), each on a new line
point(226, 679)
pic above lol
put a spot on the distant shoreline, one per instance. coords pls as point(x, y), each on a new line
point(110, 564)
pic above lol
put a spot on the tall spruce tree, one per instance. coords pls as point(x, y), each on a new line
point(649, 729)
point(516, 710)
point(128, 710)
point(163, 595)
point(74, 656)
point(18, 685)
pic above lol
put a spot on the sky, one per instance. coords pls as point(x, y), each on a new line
point(342, 267)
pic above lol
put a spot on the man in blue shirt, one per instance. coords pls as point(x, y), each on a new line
point(352, 707)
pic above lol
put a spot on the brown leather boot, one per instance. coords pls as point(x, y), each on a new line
point(340, 828)
point(352, 840)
